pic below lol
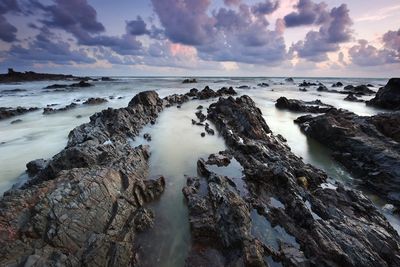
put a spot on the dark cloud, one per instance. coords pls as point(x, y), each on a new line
point(137, 27)
point(307, 13)
point(391, 40)
point(334, 31)
point(232, 2)
point(365, 54)
point(8, 32)
point(185, 21)
point(266, 7)
point(46, 47)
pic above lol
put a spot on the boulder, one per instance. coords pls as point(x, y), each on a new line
point(388, 97)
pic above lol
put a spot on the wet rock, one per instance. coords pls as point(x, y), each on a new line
point(221, 159)
point(206, 93)
point(81, 84)
point(192, 80)
point(85, 205)
point(35, 166)
point(107, 79)
point(203, 134)
point(10, 91)
point(49, 110)
point(209, 130)
point(302, 106)
point(359, 90)
point(56, 86)
point(147, 137)
point(193, 92)
point(370, 85)
point(226, 91)
point(95, 101)
point(317, 226)
point(388, 97)
point(367, 146)
point(353, 98)
point(303, 90)
point(322, 88)
point(307, 84)
point(16, 121)
point(200, 107)
point(337, 84)
point(243, 87)
point(201, 116)
point(6, 113)
point(289, 80)
point(263, 85)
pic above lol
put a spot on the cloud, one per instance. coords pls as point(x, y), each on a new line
point(308, 13)
point(266, 7)
point(46, 47)
point(232, 2)
point(391, 39)
point(137, 27)
point(365, 54)
point(8, 32)
point(334, 30)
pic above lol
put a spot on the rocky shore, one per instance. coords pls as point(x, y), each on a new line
point(14, 76)
point(312, 224)
point(86, 205)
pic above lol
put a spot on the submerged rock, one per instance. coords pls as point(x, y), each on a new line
point(307, 84)
point(353, 98)
point(337, 84)
point(49, 110)
point(6, 113)
point(192, 80)
point(263, 85)
point(367, 146)
point(388, 97)
point(289, 80)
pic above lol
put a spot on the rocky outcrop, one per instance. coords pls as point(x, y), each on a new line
point(302, 106)
point(307, 84)
point(50, 110)
point(388, 97)
point(337, 84)
point(289, 80)
point(263, 85)
point(85, 205)
point(287, 214)
point(351, 97)
point(80, 84)
point(95, 101)
point(28, 76)
point(367, 146)
point(358, 90)
point(192, 80)
point(6, 113)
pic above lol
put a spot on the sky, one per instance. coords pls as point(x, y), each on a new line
point(299, 38)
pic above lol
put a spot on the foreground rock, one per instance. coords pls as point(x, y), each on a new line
point(28, 76)
point(367, 146)
point(85, 205)
point(6, 113)
point(286, 215)
point(388, 97)
point(302, 106)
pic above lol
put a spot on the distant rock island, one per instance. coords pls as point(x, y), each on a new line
point(28, 76)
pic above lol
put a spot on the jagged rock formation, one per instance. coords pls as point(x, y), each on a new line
point(388, 96)
point(6, 113)
point(302, 106)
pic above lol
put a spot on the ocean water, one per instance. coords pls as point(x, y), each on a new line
point(176, 144)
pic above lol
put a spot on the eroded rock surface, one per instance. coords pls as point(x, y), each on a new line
point(367, 146)
point(302, 106)
point(6, 113)
point(388, 96)
point(312, 225)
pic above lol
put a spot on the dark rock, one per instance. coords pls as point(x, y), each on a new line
point(147, 137)
point(223, 158)
point(81, 84)
point(10, 91)
point(56, 86)
point(14, 76)
point(388, 97)
point(307, 84)
point(226, 91)
point(193, 92)
point(49, 110)
point(201, 116)
point(16, 121)
point(192, 80)
point(209, 130)
point(200, 107)
point(263, 85)
point(303, 90)
point(367, 146)
point(6, 113)
point(107, 79)
point(78, 116)
point(203, 134)
point(206, 93)
point(95, 101)
point(244, 87)
point(338, 84)
point(351, 97)
point(289, 80)
point(322, 88)
point(302, 106)
point(370, 85)
point(85, 205)
point(35, 166)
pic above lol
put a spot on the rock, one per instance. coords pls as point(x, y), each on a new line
point(351, 97)
point(48, 110)
point(85, 205)
point(367, 146)
point(223, 158)
point(263, 85)
point(10, 91)
point(244, 87)
point(358, 90)
point(56, 86)
point(81, 84)
point(337, 84)
point(289, 80)
point(107, 79)
point(307, 84)
point(200, 107)
point(14, 76)
point(209, 130)
point(206, 93)
point(201, 116)
point(322, 88)
point(303, 90)
point(6, 113)
point(226, 91)
point(16, 121)
point(203, 134)
point(310, 226)
point(95, 101)
point(370, 85)
point(302, 106)
point(193, 92)
point(147, 137)
point(192, 80)
point(388, 97)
